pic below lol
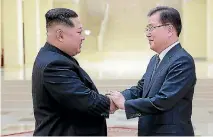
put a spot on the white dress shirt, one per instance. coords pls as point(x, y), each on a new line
point(163, 53)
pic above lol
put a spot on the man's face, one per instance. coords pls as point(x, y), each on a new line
point(72, 38)
point(156, 32)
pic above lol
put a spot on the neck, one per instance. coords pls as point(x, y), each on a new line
point(167, 44)
point(54, 43)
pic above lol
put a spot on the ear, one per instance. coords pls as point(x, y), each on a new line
point(170, 30)
point(59, 35)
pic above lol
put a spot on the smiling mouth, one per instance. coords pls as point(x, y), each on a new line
point(150, 41)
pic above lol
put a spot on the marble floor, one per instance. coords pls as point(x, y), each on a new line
point(116, 74)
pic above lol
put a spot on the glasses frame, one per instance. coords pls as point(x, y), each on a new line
point(150, 29)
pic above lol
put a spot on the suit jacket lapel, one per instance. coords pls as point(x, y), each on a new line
point(150, 69)
point(161, 66)
point(85, 75)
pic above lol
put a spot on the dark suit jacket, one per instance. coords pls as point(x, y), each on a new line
point(164, 104)
point(65, 100)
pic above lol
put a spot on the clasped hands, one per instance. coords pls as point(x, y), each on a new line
point(117, 101)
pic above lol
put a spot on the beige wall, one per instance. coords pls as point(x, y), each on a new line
point(125, 29)
point(31, 30)
point(44, 6)
point(210, 30)
point(0, 30)
point(127, 21)
point(13, 33)
point(194, 28)
point(122, 31)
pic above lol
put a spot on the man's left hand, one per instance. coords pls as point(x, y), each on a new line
point(118, 99)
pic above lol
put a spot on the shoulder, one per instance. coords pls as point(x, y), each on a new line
point(182, 60)
point(46, 59)
point(183, 56)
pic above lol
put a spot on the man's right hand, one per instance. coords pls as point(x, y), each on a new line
point(113, 107)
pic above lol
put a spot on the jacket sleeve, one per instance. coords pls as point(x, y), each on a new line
point(66, 87)
point(180, 78)
point(135, 91)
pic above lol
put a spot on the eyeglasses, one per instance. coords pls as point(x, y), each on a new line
point(150, 28)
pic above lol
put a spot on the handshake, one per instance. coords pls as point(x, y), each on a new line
point(117, 101)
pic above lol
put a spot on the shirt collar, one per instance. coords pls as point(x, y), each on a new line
point(163, 53)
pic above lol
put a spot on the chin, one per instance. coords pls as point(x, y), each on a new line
point(79, 51)
point(152, 47)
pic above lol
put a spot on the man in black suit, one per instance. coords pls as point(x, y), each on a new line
point(162, 99)
point(65, 100)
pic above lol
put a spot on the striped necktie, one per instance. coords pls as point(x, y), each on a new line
point(157, 61)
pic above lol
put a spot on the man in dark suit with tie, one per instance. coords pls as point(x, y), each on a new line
point(65, 100)
point(162, 99)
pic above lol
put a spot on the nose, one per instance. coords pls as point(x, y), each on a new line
point(148, 34)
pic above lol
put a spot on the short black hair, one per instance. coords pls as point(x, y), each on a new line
point(168, 15)
point(60, 16)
